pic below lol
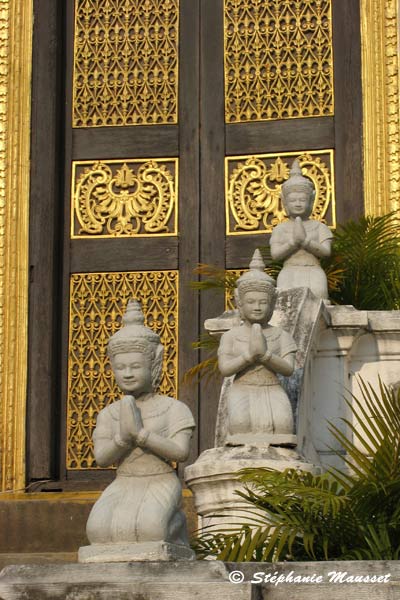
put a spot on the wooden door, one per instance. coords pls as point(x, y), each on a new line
point(126, 220)
point(279, 79)
point(161, 105)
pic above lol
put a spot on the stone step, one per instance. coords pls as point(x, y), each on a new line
point(203, 580)
point(28, 522)
point(331, 591)
point(36, 558)
point(121, 581)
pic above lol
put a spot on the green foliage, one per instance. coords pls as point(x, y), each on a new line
point(346, 514)
point(214, 278)
point(366, 256)
point(207, 369)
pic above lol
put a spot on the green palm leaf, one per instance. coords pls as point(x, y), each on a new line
point(367, 253)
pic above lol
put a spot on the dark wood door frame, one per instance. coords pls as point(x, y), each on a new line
point(201, 140)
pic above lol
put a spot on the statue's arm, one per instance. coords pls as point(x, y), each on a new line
point(108, 449)
point(283, 366)
point(175, 448)
point(229, 364)
point(281, 246)
point(321, 248)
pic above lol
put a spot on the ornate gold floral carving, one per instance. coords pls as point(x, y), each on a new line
point(278, 59)
point(16, 22)
point(125, 62)
point(253, 186)
point(124, 198)
point(97, 303)
point(381, 108)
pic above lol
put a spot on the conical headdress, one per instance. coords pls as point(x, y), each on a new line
point(296, 181)
point(256, 279)
point(133, 335)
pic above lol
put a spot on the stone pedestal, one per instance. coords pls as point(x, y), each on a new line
point(154, 551)
point(213, 478)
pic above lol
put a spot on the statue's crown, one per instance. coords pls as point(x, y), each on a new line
point(133, 335)
point(256, 279)
point(296, 182)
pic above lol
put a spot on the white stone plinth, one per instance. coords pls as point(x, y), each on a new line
point(213, 478)
point(154, 551)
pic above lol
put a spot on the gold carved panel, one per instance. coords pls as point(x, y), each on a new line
point(125, 62)
point(253, 188)
point(124, 198)
point(278, 59)
point(97, 302)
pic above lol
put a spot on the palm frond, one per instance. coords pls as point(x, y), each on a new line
point(215, 278)
point(207, 369)
point(367, 252)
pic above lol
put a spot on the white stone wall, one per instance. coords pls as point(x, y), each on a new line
point(348, 344)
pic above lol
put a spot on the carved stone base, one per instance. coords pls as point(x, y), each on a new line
point(213, 479)
point(154, 551)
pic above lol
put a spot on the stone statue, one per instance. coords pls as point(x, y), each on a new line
point(138, 516)
point(258, 409)
point(300, 241)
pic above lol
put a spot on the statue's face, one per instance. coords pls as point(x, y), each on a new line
point(297, 204)
point(132, 372)
point(256, 307)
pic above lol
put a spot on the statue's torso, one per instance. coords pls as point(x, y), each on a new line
point(302, 268)
point(161, 415)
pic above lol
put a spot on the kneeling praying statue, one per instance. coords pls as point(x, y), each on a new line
point(138, 516)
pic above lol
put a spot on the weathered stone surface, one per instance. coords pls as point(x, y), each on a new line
point(346, 317)
point(202, 580)
point(121, 581)
point(213, 478)
point(348, 344)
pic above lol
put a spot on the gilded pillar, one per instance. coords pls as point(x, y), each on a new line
point(16, 22)
point(380, 78)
